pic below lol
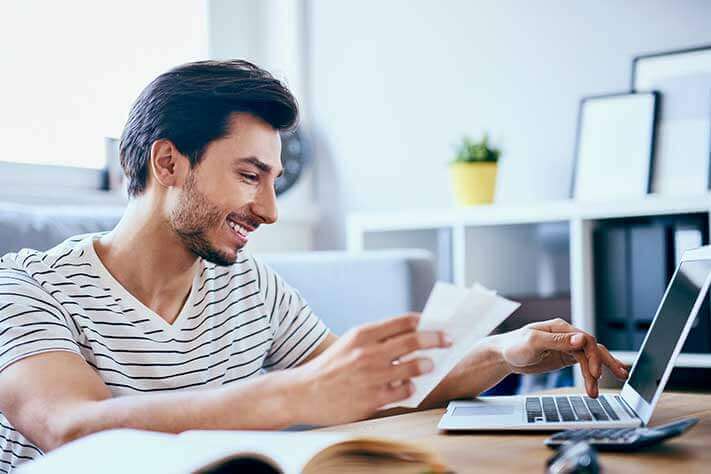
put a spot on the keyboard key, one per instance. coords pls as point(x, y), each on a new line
point(599, 434)
point(608, 408)
point(550, 410)
point(564, 408)
point(596, 409)
point(580, 409)
point(534, 411)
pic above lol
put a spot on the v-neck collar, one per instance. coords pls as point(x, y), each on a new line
point(131, 300)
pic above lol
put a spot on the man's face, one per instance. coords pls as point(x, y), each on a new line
point(230, 192)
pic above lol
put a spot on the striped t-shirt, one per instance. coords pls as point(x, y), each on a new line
point(237, 322)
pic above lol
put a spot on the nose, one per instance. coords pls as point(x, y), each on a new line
point(264, 205)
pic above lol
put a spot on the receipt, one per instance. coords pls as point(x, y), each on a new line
point(466, 316)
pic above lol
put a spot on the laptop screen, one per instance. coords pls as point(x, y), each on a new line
point(667, 327)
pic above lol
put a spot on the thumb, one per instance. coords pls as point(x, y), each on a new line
point(563, 341)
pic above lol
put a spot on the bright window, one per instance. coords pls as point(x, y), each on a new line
point(70, 70)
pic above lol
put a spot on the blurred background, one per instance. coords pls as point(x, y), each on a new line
point(389, 92)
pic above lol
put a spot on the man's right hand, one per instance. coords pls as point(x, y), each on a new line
point(362, 371)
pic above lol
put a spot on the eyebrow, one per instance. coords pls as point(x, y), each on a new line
point(253, 160)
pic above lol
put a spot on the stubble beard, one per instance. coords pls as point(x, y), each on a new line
point(192, 218)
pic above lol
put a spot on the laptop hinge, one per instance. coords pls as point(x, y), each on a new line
point(630, 411)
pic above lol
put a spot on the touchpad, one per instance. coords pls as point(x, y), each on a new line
point(484, 409)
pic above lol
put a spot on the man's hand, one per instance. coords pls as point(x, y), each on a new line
point(361, 371)
point(549, 345)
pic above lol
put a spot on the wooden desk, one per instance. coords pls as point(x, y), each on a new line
point(519, 452)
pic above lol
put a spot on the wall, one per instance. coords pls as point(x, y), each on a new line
point(71, 70)
point(270, 33)
point(394, 85)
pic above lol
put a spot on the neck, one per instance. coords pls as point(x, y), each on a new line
point(146, 256)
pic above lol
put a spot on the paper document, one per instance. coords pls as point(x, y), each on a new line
point(466, 316)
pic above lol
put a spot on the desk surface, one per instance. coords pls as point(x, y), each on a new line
point(519, 452)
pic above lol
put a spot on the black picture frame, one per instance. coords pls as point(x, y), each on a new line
point(641, 57)
point(579, 125)
point(659, 54)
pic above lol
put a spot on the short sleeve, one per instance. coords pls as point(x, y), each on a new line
point(31, 321)
point(296, 330)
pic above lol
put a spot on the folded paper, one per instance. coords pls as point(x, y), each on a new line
point(467, 316)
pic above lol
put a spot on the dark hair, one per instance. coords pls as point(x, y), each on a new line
point(191, 106)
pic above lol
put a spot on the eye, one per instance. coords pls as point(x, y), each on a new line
point(252, 178)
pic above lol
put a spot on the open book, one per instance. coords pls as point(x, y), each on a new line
point(213, 452)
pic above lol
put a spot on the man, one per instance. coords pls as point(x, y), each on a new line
point(165, 323)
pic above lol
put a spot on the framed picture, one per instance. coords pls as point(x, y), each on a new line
point(112, 176)
point(682, 161)
point(614, 146)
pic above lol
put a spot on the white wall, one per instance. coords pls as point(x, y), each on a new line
point(71, 70)
point(270, 33)
point(394, 84)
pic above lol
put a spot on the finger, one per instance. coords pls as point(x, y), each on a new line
point(398, 346)
point(553, 325)
point(592, 353)
point(395, 392)
point(571, 342)
point(567, 359)
point(590, 381)
point(557, 341)
point(615, 365)
point(390, 327)
point(410, 369)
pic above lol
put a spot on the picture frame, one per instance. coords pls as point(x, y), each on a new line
point(113, 178)
point(682, 160)
point(614, 146)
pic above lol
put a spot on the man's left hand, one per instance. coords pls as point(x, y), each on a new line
point(550, 345)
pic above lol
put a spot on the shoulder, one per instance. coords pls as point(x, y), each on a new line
point(65, 252)
point(30, 271)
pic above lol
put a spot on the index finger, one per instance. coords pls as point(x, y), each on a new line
point(590, 381)
point(391, 327)
point(616, 366)
point(396, 347)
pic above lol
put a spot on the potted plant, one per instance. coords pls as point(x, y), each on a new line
point(473, 171)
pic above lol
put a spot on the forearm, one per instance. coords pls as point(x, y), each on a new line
point(260, 403)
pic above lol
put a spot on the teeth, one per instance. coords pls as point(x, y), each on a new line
point(237, 228)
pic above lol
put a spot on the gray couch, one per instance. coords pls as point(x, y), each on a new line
point(344, 289)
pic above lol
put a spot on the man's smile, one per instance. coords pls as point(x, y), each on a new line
point(239, 229)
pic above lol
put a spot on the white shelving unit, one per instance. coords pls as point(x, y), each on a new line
point(543, 249)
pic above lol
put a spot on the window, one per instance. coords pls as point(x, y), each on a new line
point(71, 70)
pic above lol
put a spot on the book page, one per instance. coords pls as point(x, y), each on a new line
point(290, 451)
point(113, 452)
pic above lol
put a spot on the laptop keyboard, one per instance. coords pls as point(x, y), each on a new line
point(569, 408)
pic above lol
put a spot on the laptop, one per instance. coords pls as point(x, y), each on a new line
point(633, 405)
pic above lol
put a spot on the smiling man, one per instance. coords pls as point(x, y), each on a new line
point(166, 323)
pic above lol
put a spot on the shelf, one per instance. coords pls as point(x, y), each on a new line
point(684, 359)
point(541, 247)
point(546, 211)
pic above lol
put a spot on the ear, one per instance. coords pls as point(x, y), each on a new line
point(167, 165)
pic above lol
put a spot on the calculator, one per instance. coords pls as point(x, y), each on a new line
point(621, 439)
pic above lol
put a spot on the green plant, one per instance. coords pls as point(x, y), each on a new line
point(471, 151)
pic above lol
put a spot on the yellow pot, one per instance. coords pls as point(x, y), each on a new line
point(474, 183)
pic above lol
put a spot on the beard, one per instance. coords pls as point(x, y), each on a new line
point(191, 220)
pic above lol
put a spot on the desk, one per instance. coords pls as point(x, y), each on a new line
point(518, 452)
